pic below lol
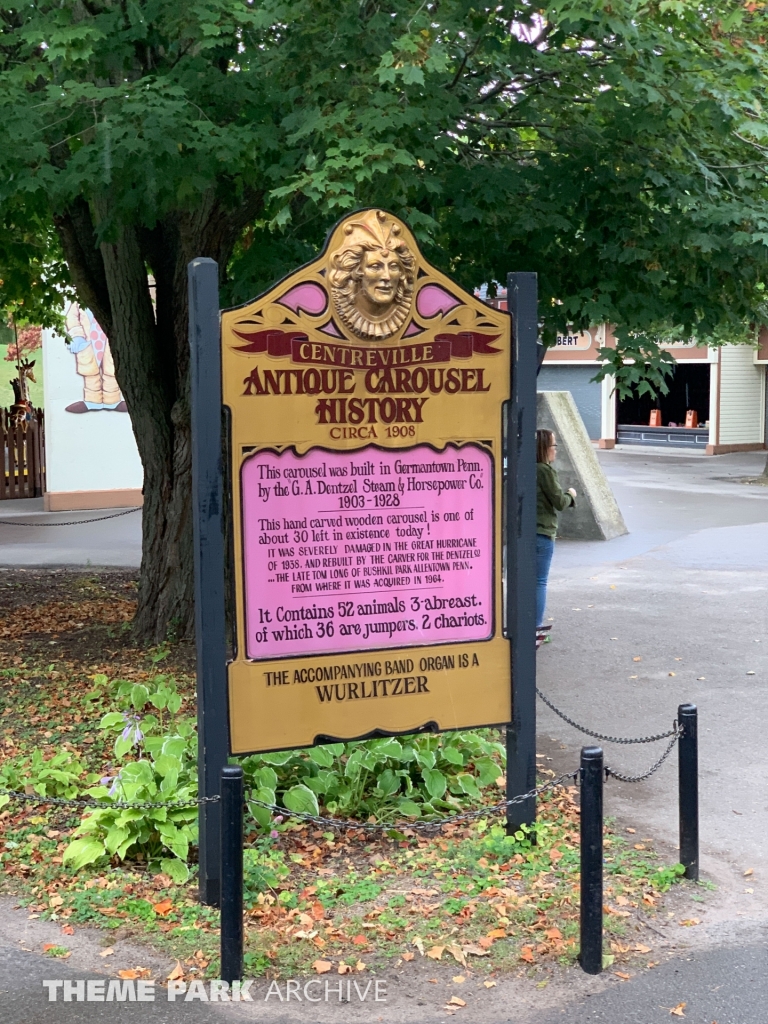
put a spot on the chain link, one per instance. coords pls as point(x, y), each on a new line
point(418, 826)
point(145, 805)
point(73, 522)
point(654, 767)
point(599, 735)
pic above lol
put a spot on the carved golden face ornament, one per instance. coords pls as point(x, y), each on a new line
point(371, 277)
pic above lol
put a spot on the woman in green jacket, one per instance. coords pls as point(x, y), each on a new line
point(550, 499)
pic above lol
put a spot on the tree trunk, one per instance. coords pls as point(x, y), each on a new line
point(150, 346)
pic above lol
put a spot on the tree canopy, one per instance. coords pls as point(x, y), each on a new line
point(615, 147)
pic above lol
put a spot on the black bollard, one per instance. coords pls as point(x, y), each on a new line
point(688, 786)
point(231, 873)
point(591, 955)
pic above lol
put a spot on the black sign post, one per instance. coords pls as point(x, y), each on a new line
point(522, 303)
point(208, 520)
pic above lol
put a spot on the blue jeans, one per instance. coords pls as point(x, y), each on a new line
point(545, 548)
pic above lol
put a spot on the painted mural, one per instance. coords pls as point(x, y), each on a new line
point(93, 360)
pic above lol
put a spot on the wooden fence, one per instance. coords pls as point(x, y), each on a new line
point(23, 474)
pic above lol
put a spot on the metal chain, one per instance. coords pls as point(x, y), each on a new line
point(654, 768)
point(72, 522)
point(599, 735)
point(145, 805)
point(419, 826)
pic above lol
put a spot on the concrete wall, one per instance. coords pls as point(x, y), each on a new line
point(596, 515)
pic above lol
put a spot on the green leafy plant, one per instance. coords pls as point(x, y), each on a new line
point(162, 769)
point(410, 777)
point(62, 775)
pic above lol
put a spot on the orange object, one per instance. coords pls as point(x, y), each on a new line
point(655, 418)
point(691, 418)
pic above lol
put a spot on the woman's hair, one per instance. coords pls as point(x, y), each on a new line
point(544, 441)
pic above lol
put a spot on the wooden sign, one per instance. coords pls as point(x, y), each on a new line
point(365, 396)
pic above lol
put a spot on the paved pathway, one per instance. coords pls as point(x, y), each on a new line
point(40, 542)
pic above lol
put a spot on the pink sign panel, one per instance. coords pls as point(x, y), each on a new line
point(371, 549)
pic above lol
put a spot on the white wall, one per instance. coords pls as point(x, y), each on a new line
point(92, 451)
point(742, 397)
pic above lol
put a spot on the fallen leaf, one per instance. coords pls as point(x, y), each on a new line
point(637, 659)
point(56, 901)
point(623, 975)
point(360, 966)
point(107, 952)
point(458, 954)
point(163, 908)
point(640, 948)
point(128, 975)
point(622, 901)
point(749, 871)
point(485, 942)
point(526, 953)
point(497, 933)
point(432, 981)
point(455, 1001)
point(408, 956)
point(67, 929)
point(418, 943)
point(489, 984)
point(475, 950)
point(678, 1010)
point(555, 854)
point(321, 966)
point(689, 922)
point(632, 830)
point(554, 933)
point(345, 969)
point(459, 979)
point(436, 952)
point(176, 973)
point(359, 940)
point(49, 945)
point(639, 846)
point(317, 911)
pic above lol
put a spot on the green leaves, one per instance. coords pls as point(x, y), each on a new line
point(377, 778)
point(302, 799)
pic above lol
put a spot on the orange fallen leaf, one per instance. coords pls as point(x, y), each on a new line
point(360, 966)
point(555, 854)
point(459, 979)
point(622, 901)
point(485, 942)
point(109, 951)
point(489, 984)
point(455, 1001)
point(749, 871)
point(67, 929)
point(640, 948)
point(497, 933)
point(49, 945)
point(176, 973)
point(128, 975)
point(436, 952)
point(678, 1010)
point(526, 953)
point(475, 950)
point(317, 911)
point(553, 933)
point(623, 975)
point(163, 907)
point(360, 940)
point(637, 659)
point(408, 956)
point(689, 922)
point(322, 966)
point(345, 969)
